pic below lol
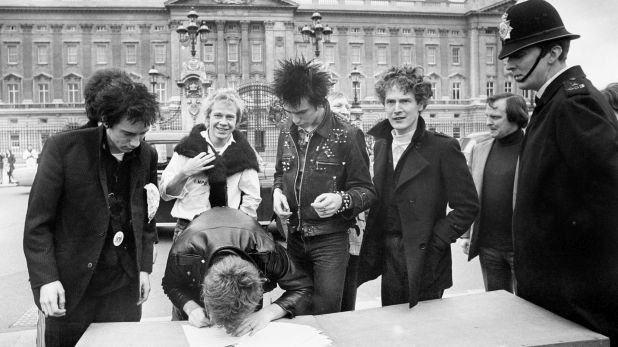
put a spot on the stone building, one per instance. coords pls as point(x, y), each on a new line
point(49, 48)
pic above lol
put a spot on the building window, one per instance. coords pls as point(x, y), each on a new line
point(508, 87)
point(13, 120)
point(209, 53)
point(13, 54)
point(15, 141)
point(160, 91)
point(329, 54)
point(489, 54)
point(406, 54)
point(159, 28)
point(43, 91)
point(301, 50)
point(232, 51)
point(101, 53)
point(72, 54)
point(434, 86)
point(431, 55)
point(490, 88)
point(100, 28)
point(13, 93)
point(456, 55)
point(456, 91)
point(131, 50)
point(356, 54)
point(356, 90)
point(431, 32)
point(456, 132)
point(456, 115)
point(381, 55)
point(42, 28)
point(432, 115)
point(73, 92)
point(42, 54)
point(256, 52)
point(160, 53)
point(455, 32)
point(355, 30)
point(130, 28)
point(406, 31)
point(381, 31)
point(43, 120)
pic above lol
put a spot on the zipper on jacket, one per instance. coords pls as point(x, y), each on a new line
point(300, 189)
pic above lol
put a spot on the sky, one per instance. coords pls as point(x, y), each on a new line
point(597, 48)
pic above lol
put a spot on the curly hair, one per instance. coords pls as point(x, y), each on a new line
point(232, 289)
point(225, 94)
point(97, 82)
point(119, 98)
point(299, 78)
point(408, 79)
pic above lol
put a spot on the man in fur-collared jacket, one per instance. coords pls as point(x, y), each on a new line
point(214, 165)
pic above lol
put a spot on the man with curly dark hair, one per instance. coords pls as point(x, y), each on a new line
point(417, 172)
point(89, 232)
point(235, 261)
point(321, 180)
point(99, 81)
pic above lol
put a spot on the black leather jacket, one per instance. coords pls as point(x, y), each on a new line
point(229, 229)
point(336, 160)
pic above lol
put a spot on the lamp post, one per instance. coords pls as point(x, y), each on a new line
point(316, 32)
point(154, 77)
point(189, 34)
point(355, 76)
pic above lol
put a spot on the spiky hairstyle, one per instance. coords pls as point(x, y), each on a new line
point(121, 98)
point(408, 79)
point(232, 289)
point(298, 78)
point(100, 80)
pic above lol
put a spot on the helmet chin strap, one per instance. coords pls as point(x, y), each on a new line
point(538, 59)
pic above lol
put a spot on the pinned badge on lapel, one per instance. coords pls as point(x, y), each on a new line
point(118, 238)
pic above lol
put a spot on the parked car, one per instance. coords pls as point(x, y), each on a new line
point(470, 140)
point(164, 142)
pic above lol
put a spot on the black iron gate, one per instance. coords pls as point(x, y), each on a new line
point(260, 127)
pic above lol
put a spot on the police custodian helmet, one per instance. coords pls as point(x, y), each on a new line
point(529, 23)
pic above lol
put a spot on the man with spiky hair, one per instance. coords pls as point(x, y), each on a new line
point(321, 181)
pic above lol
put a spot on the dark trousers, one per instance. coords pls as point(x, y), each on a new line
point(348, 302)
point(325, 259)
point(395, 285)
point(497, 268)
point(117, 306)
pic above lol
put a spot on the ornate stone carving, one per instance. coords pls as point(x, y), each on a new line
point(394, 31)
point(27, 28)
point(115, 28)
point(419, 31)
point(342, 30)
point(86, 27)
point(145, 27)
point(369, 30)
point(57, 28)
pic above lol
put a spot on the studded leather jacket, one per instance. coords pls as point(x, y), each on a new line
point(335, 159)
point(227, 230)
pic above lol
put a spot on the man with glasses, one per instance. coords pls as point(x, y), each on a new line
point(321, 179)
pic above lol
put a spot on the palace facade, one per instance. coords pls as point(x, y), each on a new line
point(49, 48)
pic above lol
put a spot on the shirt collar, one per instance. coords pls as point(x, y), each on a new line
point(541, 90)
point(227, 144)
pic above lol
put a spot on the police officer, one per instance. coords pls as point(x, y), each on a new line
point(565, 224)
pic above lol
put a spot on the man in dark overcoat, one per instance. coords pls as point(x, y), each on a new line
point(417, 172)
point(565, 223)
point(89, 231)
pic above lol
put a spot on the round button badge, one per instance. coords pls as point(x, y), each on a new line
point(118, 238)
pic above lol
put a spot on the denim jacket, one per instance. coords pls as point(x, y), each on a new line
point(335, 160)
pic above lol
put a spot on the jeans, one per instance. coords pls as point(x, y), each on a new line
point(325, 259)
point(348, 302)
point(117, 306)
point(497, 268)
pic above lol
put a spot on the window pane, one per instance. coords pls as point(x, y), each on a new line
point(256, 52)
point(101, 54)
point(13, 91)
point(42, 54)
point(381, 55)
point(72, 54)
point(232, 52)
point(431, 55)
point(131, 54)
point(456, 58)
point(43, 93)
point(356, 54)
point(489, 55)
point(160, 54)
point(13, 56)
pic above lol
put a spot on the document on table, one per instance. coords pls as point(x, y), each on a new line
point(274, 335)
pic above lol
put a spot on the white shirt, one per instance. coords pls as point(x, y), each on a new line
point(193, 199)
point(399, 145)
point(541, 90)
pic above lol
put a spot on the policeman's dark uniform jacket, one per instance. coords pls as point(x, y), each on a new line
point(226, 230)
point(336, 160)
point(565, 222)
point(413, 197)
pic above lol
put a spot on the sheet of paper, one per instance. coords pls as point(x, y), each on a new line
point(274, 335)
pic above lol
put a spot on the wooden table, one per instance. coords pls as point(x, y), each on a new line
point(486, 319)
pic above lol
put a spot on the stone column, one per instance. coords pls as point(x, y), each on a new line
point(344, 67)
point(146, 60)
point(221, 53)
point(499, 87)
point(269, 62)
point(474, 63)
point(289, 39)
point(369, 63)
point(419, 42)
point(444, 61)
point(27, 60)
point(57, 62)
point(116, 46)
point(395, 46)
point(86, 61)
point(245, 51)
point(176, 60)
